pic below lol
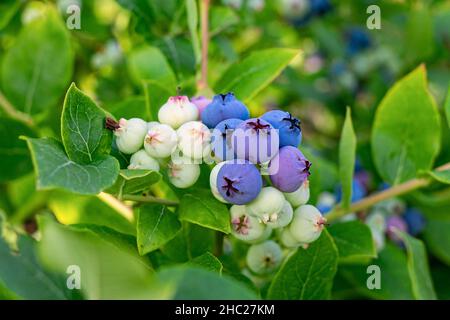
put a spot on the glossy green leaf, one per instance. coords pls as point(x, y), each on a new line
point(406, 131)
point(55, 170)
point(347, 153)
point(249, 76)
point(133, 181)
point(192, 19)
point(221, 19)
point(394, 277)
point(15, 159)
point(155, 96)
point(441, 176)
point(354, 241)
point(207, 261)
point(437, 239)
point(37, 68)
point(419, 272)
point(107, 272)
point(200, 208)
point(148, 63)
point(156, 225)
point(307, 274)
point(189, 283)
point(83, 131)
point(71, 209)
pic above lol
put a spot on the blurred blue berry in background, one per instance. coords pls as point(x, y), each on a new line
point(357, 40)
point(415, 220)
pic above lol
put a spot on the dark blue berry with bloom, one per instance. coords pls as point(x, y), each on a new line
point(224, 106)
point(288, 127)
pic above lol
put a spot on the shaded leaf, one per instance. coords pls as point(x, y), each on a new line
point(133, 181)
point(207, 261)
point(347, 153)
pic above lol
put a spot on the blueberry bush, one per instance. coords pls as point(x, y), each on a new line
point(227, 149)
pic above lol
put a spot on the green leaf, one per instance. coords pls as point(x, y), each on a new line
point(307, 274)
point(148, 63)
point(156, 225)
point(441, 176)
point(107, 272)
point(207, 261)
point(192, 19)
point(132, 107)
point(419, 273)
point(437, 238)
point(188, 283)
point(133, 181)
point(395, 283)
point(192, 241)
point(249, 76)
point(221, 19)
point(354, 241)
point(15, 159)
point(71, 209)
point(37, 68)
point(202, 209)
point(347, 153)
point(83, 130)
point(55, 170)
point(155, 96)
point(406, 131)
point(447, 106)
point(21, 272)
point(8, 9)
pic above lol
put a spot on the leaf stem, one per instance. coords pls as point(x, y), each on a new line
point(12, 112)
point(117, 205)
point(218, 249)
point(406, 187)
point(149, 199)
point(204, 25)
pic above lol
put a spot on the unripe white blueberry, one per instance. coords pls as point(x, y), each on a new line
point(265, 257)
point(194, 139)
point(244, 226)
point(160, 141)
point(307, 224)
point(177, 111)
point(151, 124)
point(376, 220)
point(183, 174)
point(299, 196)
point(283, 218)
point(288, 240)
point(379, 238)
point(130, 135)
point(269, 202)
point(213, 182)
point(141, 160)
point(265, 236)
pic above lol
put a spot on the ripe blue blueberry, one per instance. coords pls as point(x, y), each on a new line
point(289, 169)
point(320, 7)
point(221, 139)
point(415, 221)
point(326, 202)
point(224, 106)
point(265, 257)
point(239, 182)
point(357, 40)
point(288, 127)
point(255, 140)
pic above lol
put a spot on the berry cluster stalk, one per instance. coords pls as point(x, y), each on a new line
point(406, 187)
point(12, 112)
point(204, 25)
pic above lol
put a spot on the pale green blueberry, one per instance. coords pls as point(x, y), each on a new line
point(160, 141)
point(288, 240)
point(307, 224)
point(269, 202)
point(265, 236)
point(265, 257)
point(244, 226)
point(141, 160)
point(130, 135)
point(349, 217)
point(379, 239)
point(151, 124)
point(213, 182)
point(281, 219)
point(299, 196)
point(194, 139)
point(376, 220)
point(177, 111)
point(183, 175)
point(392, 206)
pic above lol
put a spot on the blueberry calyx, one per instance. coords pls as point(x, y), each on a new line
point(308, 165)
point(295, 123)
point(229, 187)
point(111, 124)
point(258, 125)
point(241, 225)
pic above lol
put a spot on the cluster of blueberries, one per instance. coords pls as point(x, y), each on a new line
point(384, 217)
point(240, 150)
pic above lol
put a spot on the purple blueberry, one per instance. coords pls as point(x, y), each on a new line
point(239, 181)
point(224, 106)
point(221, 139)
point(288, 127)
point(415, 221)
point(201, 103)
point(255, 140)
point(395, 222)
point(289, 169)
